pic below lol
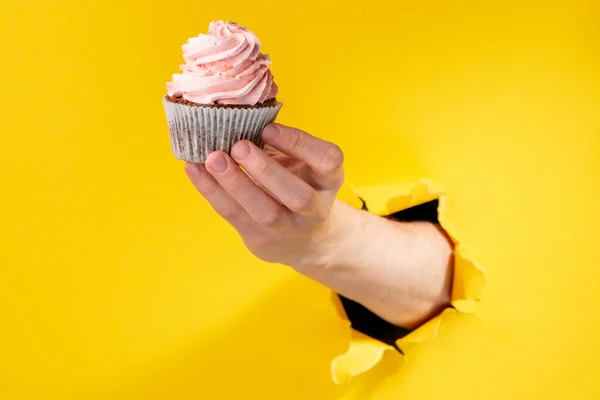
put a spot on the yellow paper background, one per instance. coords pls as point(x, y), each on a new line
point(118, 282)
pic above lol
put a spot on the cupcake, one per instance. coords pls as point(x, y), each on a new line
point(224, 94)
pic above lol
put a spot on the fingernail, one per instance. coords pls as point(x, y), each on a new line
point(217, 163)
point(270, 133)
point(241, 150)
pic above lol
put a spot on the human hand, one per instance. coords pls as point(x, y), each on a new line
point(285, 210)
point(281, 206)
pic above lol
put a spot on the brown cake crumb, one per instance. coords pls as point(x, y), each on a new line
point(181, 100)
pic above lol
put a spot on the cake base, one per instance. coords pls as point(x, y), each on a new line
point(180, 100)
point(197, 130)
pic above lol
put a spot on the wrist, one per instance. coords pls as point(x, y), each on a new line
point(334, 244)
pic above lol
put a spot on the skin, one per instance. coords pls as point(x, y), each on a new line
point(284, 207)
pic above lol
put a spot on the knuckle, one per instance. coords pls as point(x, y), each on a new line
point(293, 140)
point(261, 169)
point(333, 159)
point(234, 181)
point(228, 212)
point(273, 218)
point(208, 188)
point(338, 180)
point(303, 200)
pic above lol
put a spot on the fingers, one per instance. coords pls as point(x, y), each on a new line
point(219, 199)
point(324, 158)
point(291, 191)
point(263, 208)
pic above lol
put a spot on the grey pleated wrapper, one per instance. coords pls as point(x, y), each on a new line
point(197, 131)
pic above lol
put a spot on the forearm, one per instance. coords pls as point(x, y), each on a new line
point(400, 271)
point(283, 206)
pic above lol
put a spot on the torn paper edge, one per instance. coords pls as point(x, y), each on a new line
point(469, 281)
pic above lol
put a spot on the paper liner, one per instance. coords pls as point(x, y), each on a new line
point(197, 131)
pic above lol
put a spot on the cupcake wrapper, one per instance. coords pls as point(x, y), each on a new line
point(197, 131)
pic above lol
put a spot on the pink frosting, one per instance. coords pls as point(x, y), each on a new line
point(224, 67)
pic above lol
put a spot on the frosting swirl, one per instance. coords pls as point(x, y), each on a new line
point(224, 67)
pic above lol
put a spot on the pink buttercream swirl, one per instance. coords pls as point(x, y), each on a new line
point(224, 67)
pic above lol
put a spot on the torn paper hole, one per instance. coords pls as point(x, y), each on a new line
point(362, 355)
point(469, 281)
